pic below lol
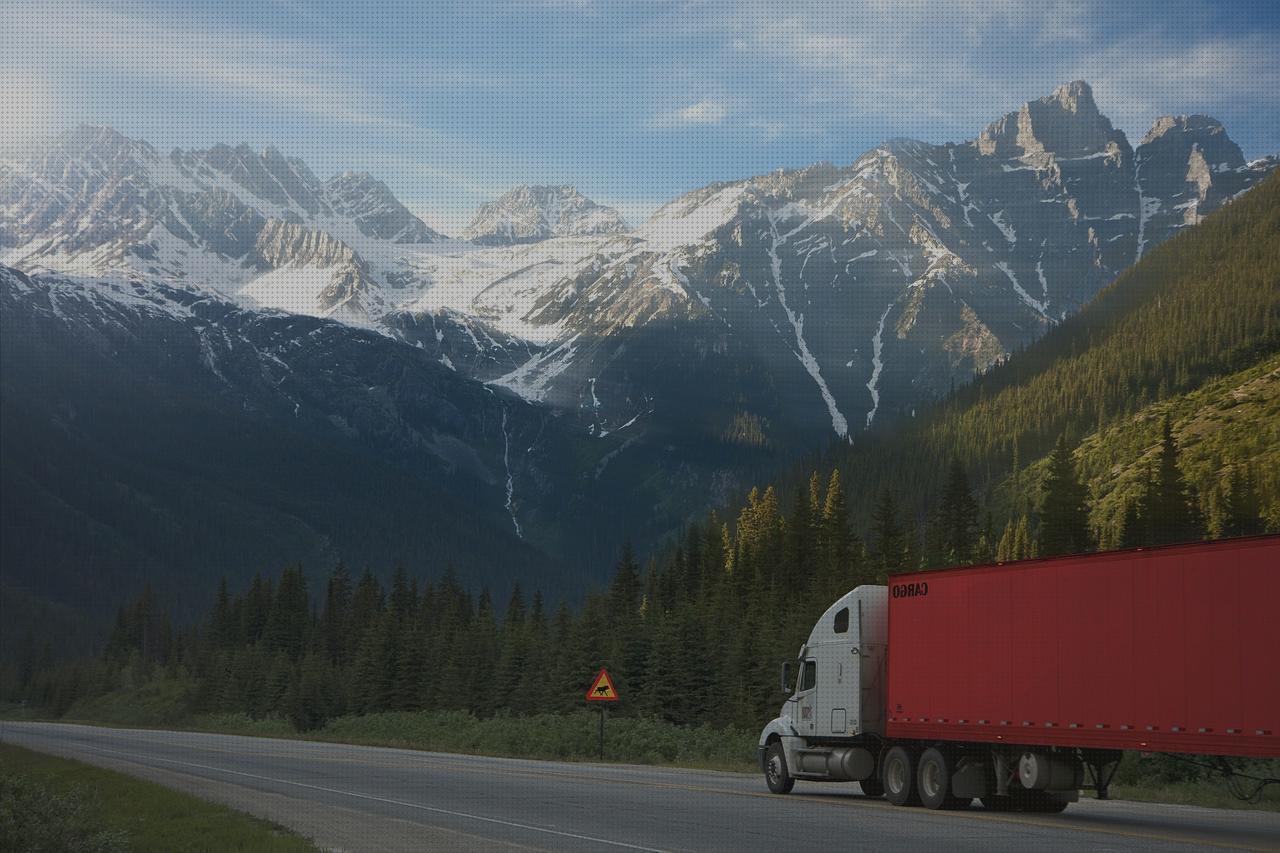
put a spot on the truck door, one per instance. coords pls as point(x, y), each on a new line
point(835, 702)
point(806, 697)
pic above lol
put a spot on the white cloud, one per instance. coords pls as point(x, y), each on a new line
point(294, 77)
point(708, 111)
point(703, 112)
point(939, 71)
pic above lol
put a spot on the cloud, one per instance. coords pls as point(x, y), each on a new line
point(940, 71)
point(708, 111)
point(703, 112)
point(150, 48)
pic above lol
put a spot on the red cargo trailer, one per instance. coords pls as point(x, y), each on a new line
point(1021, 683)
point(1170, 649)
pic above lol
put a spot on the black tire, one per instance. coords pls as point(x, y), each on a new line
point(898, 776)
point(872, 787)
point(933, 780)
point(776, 774)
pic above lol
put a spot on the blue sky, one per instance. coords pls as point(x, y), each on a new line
point(633, 102)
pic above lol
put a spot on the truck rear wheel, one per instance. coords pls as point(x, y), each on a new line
point(872, 786)
point(933, 778)
point(899, 777)
point(776, 774)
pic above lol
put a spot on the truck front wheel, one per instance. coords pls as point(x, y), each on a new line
point(899, 777)
point(776, 774)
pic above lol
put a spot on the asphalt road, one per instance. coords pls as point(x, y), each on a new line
point(368, 798)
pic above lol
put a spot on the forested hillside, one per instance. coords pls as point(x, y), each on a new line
point(1203, 306)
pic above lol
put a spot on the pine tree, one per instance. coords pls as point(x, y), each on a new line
point(335, 619)
point(837, 544)
point(954, 528)
point(1064, 518)
point(888, 537)
point(1168, 510)
point(1242, 509)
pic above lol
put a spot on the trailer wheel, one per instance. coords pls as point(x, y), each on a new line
point(899, 777)
point(933, 778)
point(776, 774)
point(872, 786)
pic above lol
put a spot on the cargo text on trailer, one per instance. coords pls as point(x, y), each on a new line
point(1021, 683)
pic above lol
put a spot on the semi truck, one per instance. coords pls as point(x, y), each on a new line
point(1021, 684)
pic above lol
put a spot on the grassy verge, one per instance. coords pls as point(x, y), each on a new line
point(1194, 794)
point(54, 804)
point(560, 737)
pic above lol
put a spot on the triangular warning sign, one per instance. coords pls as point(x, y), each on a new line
point(602, 689)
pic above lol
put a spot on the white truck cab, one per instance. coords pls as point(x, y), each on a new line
point(828, 728)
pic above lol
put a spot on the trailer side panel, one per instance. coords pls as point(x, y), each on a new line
point(1172, 649)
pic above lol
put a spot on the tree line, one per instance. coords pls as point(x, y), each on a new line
point(694, 635)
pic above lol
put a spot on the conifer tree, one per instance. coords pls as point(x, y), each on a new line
point(1242, 506)
point(889, 539)
point(955, 524)
point(335, 617)
point(836, 541)
point(1064, 517)
point(1168, 511)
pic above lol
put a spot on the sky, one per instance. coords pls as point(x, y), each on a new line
point(632, 102)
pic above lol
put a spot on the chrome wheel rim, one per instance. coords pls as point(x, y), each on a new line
point(775, 768)
point(897, 776)
point(930, 779)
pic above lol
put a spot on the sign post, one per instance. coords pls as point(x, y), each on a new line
point(602, 691)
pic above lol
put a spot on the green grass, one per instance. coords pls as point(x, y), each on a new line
point(559, 737)
point(54, 804)
point(1195, 794)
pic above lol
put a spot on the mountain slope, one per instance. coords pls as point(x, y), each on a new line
point(153, 436)
point(1203, 306)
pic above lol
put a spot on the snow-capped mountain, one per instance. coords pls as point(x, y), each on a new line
point(526, 214)
point(805, 302)
point(848, 291)
point(256, 225)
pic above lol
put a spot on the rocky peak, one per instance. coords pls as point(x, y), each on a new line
point(1176, 137)
point(97, 146)
point(530, 213)
point(1074, 97)
point(267, 175)
point(1063, 125)
point(375, 209)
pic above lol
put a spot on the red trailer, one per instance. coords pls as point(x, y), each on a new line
point(1022, 683)
point(1170, 649)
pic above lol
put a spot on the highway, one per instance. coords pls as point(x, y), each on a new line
point(357, 798)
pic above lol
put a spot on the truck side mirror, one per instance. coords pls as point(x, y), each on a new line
point(788, 682)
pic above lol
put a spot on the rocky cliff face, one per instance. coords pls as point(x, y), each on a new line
point(530, 213)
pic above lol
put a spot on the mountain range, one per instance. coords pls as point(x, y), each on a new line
point(223, 327)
